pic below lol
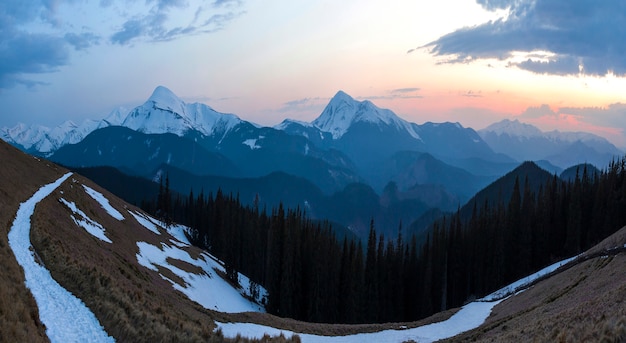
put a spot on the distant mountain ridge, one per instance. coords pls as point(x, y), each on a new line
point(433, 165)
point(526, 142)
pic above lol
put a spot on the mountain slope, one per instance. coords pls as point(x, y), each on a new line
point(501, 189)
point(20, 320)
point(586, 296)
point(132, 302)
point(410, 169)
point(140, 153)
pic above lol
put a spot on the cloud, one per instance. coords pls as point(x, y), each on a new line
point(24, 53)
point(613, 115)
point(131, 29)
point(227, 3)
point(563, 37)
point(404, 90)
point(493, 5)
point(538, 112)
point(315, 104)
point(609, 122)
point(39, 37)
point(472, 94)
point(398, 93)
point(171, 19)
point(82, 41)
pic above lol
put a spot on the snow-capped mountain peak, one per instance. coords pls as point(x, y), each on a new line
point(343, 111)
point(285, 123)
point(47, 140)
point(24, 135)
point(115, 117)
point(513, 128)
point(165, 99)
point(164, 112)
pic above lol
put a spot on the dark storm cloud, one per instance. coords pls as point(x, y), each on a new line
point(583, 36)
point(24, 53)
point(28, 53)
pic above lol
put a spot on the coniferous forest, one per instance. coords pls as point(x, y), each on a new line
point(311, 275)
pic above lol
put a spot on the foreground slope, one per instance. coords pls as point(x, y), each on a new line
point(142, 282)
point(578, 299)
point(18, 311)
point(584, 303)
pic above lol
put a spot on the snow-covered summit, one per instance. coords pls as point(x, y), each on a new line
point(513, 128)
point(285, 123)
point(164, 112)
point(47, 140)
point(343, 111)
point(115, 117)
point(165, 99)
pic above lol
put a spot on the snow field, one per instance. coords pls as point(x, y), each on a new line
point(66, 317)
point(469, 317)
point(207, 289)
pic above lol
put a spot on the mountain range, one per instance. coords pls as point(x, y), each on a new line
point(525, 142)
point(353, 147)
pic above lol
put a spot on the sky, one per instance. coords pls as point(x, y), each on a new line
point(556, 64)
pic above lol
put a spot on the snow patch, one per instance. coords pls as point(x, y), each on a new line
point(146, 221)
point(180, 233)
point(66, 317)
point(91, 226)
point(104, 202)
point(251, 143)
point(207, 288)
point(469, 317)
point(525, 281)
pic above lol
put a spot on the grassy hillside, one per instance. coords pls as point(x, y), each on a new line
point(585, 303)
point(20, 177)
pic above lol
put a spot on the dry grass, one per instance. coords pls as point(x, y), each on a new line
point(133, 303)
point(585, 303)
point(20, 177)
